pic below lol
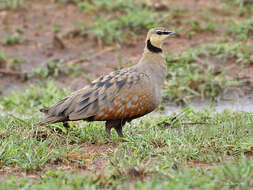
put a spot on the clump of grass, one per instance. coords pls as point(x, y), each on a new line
point(241, 3)
point(196, 73)
point(241, 30)
point(57, 68)
point(12, 39)
point(10, 63)
point(48, 69)
point(104, 5)
point(240, 53)
point(177, 12)
point(11, 4)
point(244, 7)
point(67, 1)
point(204, 23)
point(200, 26)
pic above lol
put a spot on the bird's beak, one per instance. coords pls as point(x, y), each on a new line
point(169, 34)
point(172, 33)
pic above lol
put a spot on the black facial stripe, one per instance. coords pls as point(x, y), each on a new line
point(163, 33)
point(153, 48)
point(166, 33)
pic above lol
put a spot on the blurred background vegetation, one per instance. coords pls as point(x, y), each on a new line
point(211, 54)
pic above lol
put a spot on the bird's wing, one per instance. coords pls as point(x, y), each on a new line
point(118, 95)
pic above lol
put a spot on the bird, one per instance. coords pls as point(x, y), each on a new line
point(119, 96)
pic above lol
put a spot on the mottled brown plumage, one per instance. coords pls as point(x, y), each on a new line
point(119, 96)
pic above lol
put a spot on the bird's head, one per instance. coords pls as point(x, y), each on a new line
point(156, 37)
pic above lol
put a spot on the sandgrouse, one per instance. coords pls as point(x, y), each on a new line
point(120, 96)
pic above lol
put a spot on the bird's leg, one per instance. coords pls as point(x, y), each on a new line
point(118, 128)
point(117, 125)
point(119, 131)
point(108, 127)
point(66, 125)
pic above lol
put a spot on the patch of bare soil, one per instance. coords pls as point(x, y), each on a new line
point(196, 163)
point(93, 154)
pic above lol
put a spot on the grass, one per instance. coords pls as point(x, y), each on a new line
point(11, 39)
point(95, 5)
point(111, 29)
point(244, 7)
point(241, 3)
point(241, 30)
point(200, 26)
point(56, 68)
point(238, 173)
point(201, 72)
point(197, 150)
point(11, 4)
point(10, 63)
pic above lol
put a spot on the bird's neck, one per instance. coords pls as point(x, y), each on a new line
point(152, 47)
point(154, 61)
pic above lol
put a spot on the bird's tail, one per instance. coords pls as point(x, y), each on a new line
point(51, 119)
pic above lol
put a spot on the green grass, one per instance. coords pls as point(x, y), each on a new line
point(55, 68)
point(197, 150)
point(10, 63)
point(241, 3)
point(119, 29)
point(241, 30)
point(101, 5)
point(11, 4)
point(200, 25)
point(11, 39)
point(243, 7)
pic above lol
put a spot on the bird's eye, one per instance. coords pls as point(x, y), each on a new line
point(159, 33)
